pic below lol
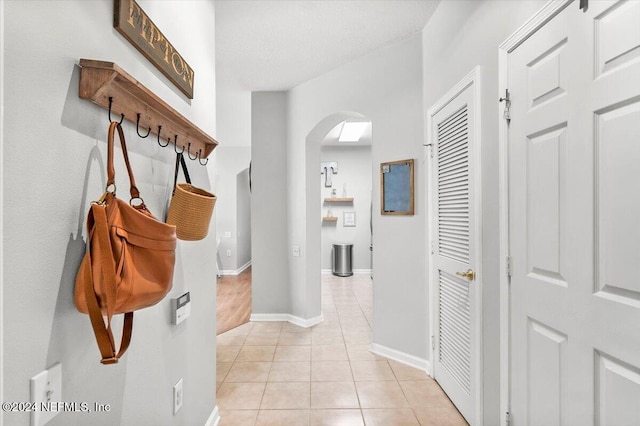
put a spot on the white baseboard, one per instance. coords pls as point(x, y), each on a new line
point(245, 266)
point(235, 271)
point(401, 357)
point(214, 418)
point(355, 271)
point(306, 323)
point(300, 322)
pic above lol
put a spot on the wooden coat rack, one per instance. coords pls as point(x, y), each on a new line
point(100, 81)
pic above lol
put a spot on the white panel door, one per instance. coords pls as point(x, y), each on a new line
point(454, 258)
point(574, 227)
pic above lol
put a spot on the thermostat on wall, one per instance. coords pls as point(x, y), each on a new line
point(180, 308)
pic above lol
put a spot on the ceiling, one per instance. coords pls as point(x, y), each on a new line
point(276, 45)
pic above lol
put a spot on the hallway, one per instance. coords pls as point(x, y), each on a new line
point(275, 373)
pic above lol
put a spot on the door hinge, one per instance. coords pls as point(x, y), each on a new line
point(508, 266)
point(507, 418)
point(507, 105)
point(433, 342)
point(584, 5)
point(431, 146)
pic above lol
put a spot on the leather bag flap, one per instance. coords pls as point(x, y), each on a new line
point(145, 242)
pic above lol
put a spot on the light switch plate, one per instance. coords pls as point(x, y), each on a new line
point(227, 234)
point(46, 391)
point(178, 396)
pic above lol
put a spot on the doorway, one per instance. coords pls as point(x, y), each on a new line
point(570, 148)
point(233, 226)
point(346, 205)
point(327, 132)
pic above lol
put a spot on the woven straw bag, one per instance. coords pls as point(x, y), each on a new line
point(191, 207)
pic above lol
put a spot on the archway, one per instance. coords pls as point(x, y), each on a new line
point(325, 130)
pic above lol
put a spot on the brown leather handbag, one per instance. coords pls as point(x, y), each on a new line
point(129, 260)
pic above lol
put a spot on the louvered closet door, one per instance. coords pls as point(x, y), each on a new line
point(452, 215)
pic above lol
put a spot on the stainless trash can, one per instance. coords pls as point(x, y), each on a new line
point(341, 260)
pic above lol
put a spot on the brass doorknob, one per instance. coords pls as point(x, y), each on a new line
point(470, 275)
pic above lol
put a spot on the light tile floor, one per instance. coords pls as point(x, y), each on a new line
point(275, 373)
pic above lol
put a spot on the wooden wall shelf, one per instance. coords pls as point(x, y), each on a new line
point(330, 218)
point(100, 80)
point(339, 200)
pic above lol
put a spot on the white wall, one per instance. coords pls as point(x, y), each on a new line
point(233, 109)
point(230, 160)
point(460, 36)
point(354, 170)
point(53, 166)
point(386, 87)
point(270, 275)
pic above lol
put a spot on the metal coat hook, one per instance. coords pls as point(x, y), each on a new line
point(138, 127)
point(122, 115)
point(189, 152)
point(200, 158)
point(168, 139)
point(175, 145)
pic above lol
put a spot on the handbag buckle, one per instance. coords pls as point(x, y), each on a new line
point(111, 360)
point(102, 201)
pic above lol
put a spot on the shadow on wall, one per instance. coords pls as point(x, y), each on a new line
point(72, 339)
point(97, 120)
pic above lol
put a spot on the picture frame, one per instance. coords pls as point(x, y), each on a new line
point(397, 188)
point(349, 219)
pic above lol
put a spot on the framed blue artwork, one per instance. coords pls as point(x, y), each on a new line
point(396, 186)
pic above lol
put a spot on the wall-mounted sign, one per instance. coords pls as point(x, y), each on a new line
point(349, 219)
point(134, 24)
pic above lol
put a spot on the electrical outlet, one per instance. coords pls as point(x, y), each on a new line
point(296, 251)
point(46, 393)
point(228, 253)
point(178, 397)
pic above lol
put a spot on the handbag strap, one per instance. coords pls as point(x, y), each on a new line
point(180, 162)
point(111, 173)
point(102, 251)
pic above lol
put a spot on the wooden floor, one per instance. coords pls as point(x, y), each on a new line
point(233, 301)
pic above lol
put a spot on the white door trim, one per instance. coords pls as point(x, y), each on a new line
point(2, 129)
point(537, 21)
point(473, 78)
